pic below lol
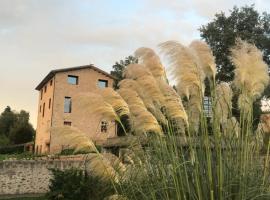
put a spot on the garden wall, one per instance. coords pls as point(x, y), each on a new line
point(19, 177)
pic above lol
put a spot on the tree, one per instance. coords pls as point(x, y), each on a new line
point(245, 23)
point(15, 127)
point(119, 67)
point(7, 120)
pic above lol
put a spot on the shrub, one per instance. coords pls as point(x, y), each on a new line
point(74, 184)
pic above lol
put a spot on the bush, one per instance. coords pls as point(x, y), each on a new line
point(74, 184)
point(12, 149)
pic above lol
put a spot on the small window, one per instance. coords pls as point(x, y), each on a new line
point(41, 94)
point(67, 105)
point(40, 108)
point(73, 80)
point(45, 89)
point(104, 126)
point(66, 123)
point(102, 83)
point(51, 82)
point(50, 101)
point(43, 110)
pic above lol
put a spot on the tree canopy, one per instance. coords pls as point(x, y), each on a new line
point(119, 67)
point(221, 33)
point(15, 127)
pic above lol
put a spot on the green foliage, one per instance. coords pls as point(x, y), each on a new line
point(244, 22)
point(28, 198)
point(73, 184)
point(4, 140)
point(15, 127)
point(11, 149)
point(119, 67)
point(220, 34)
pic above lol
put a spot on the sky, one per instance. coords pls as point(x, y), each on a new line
point(37, 36)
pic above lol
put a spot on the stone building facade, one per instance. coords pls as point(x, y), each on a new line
point(57, 93)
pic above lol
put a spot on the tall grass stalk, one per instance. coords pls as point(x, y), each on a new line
point(188, 155)
point(213, 161)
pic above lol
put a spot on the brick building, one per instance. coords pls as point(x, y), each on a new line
point(55, 108)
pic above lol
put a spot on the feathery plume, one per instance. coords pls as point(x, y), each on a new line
point(134, 71)
point(117, 102)
point(74, 138)
point(94, 104)
point(151, 60)
point(146, 98)
point(142, 120)
point(224, 101)
point(98, 166)
point(173, 104)
point(185, 68)
point(205, 56)
point(251, 72)
point(149, 84)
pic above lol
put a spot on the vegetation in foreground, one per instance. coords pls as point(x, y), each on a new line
point(190, 152)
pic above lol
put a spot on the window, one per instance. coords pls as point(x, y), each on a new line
point(45, 89)
point(66, 123)
point(102, 83)
point(50, 101)
point(207, 106)
point(41, 93)
point(50, 82)
point(73, 80)
point(40, 108)
point(67, 105)
point(104, 126)
point(43, 110)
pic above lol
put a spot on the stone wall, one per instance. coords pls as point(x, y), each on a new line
point(19, 177)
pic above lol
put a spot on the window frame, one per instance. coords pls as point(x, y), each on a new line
point(73, 76)
point(70, 105)
point(103, 81)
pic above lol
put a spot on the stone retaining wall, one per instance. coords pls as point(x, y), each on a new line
point(32, 176)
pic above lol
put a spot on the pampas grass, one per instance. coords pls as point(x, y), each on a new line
point(74, 138)
point(205, 57)
point(135, 71)
point(184, 67)
point(151, 61)
point(224, 101)
point(142, 120)
point(251, 72)
point(98, 166)
point(173, 103)
point(221, 160)
point(95, 105)
point(146, 98)
point(116, 101)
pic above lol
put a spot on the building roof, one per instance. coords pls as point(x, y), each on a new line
point(53, 72)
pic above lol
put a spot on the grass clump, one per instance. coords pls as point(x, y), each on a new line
point(189, 155)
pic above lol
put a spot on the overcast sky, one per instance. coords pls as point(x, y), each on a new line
point(37, 36)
